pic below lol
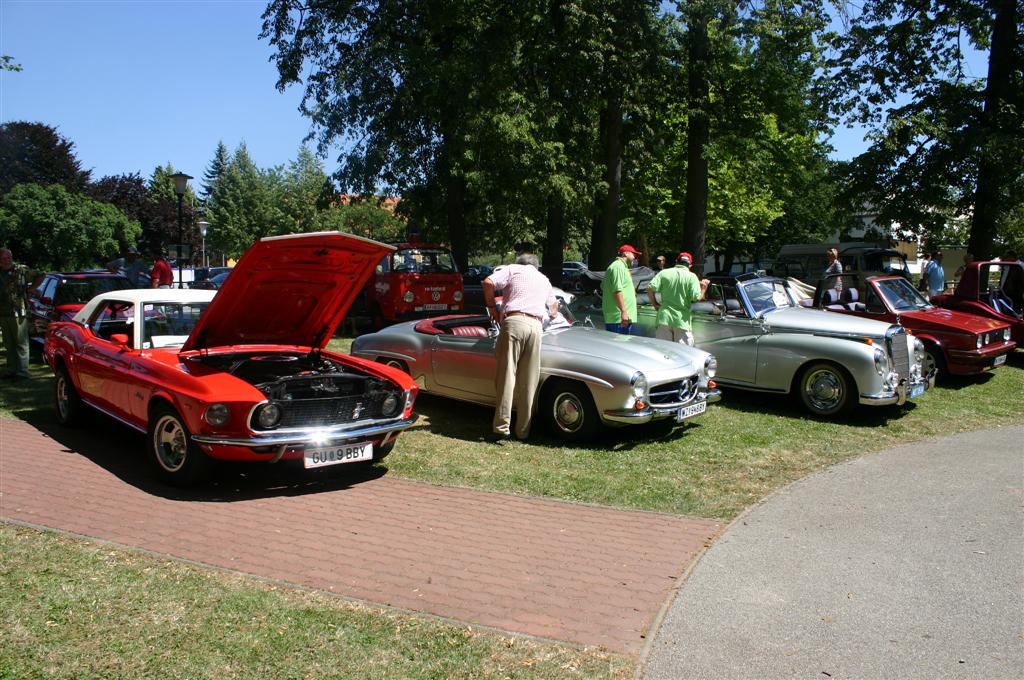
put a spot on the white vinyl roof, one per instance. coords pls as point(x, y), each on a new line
point(140, 296)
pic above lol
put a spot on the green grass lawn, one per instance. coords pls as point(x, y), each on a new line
point(75, 609)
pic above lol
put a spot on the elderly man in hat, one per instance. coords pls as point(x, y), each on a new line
point(129, 266)
point(679, 288)
point(618, 296)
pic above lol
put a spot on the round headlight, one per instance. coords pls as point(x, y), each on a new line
point(269, 416)
point(881, 362)
point(711, 366)
point(217, 414)
point(979, 342)
point(1006, 333)
point(390, 405)
point(918, 349)
point(638, 385)
point(457, 296)
point(408, 297)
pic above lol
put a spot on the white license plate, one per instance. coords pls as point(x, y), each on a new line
point(434, 308)
point(1000, 360)
point(336, 455)
point(691, 410)
point(916, 391)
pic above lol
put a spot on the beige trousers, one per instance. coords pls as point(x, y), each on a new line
point(517, 375)
point(673, 334)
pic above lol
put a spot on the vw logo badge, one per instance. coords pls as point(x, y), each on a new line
point(435, 296)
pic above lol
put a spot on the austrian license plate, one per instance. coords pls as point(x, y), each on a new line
point(916, 391)
point(999, 361)
point(434, 308)
point(335, 455)
point(691, 410)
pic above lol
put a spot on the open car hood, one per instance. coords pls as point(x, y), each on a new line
point(288, 290)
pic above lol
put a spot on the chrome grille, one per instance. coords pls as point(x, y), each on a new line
point(898, 352)
point(676, 392)
point(325, 400)
point(329, 411)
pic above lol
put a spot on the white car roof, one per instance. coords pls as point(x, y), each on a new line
point(139, 296)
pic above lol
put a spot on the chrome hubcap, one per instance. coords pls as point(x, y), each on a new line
point(824, 390)
point(568, 412)
point(62, 397)
point(170, 443)
point(927, 363)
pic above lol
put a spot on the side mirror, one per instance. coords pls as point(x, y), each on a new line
point(120, 339)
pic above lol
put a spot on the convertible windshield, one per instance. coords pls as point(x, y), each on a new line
point(168, 324)
point(768, 295)
point(901, 296)
point(423, 261)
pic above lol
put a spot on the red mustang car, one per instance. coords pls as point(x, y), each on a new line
point(418, 280)
point(991, 289)
point(58, 297)
point(239, 374)
point(956, 343)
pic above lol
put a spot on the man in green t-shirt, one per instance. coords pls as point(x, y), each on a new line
point(678, 288)
point(618, 296)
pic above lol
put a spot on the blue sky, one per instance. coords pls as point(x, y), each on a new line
point(140, 83)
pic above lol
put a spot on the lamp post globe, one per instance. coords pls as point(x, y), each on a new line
point(204, 226)
point(180, 185)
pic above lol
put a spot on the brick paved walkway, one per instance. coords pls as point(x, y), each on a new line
point(580, 574)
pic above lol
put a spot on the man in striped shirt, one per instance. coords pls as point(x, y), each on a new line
point(528, 299)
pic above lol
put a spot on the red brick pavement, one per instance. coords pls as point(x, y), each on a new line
point(576, 573)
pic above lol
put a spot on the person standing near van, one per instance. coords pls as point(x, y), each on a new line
point(935, 274)
point(678, 288)
point(834, 267)
point(14, 283)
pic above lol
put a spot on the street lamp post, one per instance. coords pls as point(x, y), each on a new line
point(180, 183)
point(203, 226)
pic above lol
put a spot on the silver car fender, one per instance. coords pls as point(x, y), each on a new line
point(780, 358)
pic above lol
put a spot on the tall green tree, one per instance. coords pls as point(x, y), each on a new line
point(51, 228)
point(37, 153)
point(162, 228)
point(307, 191)
point(946, 143)
point(246, 204)
point(220, 160)
point(130, 194)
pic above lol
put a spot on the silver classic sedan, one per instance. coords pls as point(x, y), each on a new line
point(590, 378)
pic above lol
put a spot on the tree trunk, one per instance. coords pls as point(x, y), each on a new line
point(997, 94)
point(606, 218)
point(552, 264)
point(455, 207)
point(698, 135)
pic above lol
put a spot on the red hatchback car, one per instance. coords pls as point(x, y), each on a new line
point(240, 374)
point(957, 343)
point(58, 297)
point(992, 289)
point(416, 281)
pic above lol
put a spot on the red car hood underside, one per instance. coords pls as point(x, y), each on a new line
point(288, 290)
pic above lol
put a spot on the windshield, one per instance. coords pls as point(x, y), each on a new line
point(168, 324)
point(768, 295)
point(423, 261)
point(902, 296)
point(75, 291)
point(890, 263)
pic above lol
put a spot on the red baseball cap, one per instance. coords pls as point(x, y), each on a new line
point(628, 249)
point(685, 256)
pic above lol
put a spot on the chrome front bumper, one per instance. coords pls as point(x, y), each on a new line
point(635, 417)
point(315, 436)
point(901, 393)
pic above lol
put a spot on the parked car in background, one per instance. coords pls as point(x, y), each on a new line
point(874, 260)
point(59, 296)
point(416, 281)
point(472, 287)
point(766, 341)
point(200, 274)
point(239, 375)
point(212, 283)
point(954, 342)
point(572, 271)
point(589, 378)
point(993, 289)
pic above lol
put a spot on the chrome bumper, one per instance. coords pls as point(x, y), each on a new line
point(317, 436)
point(634, 417)
point(900, 395)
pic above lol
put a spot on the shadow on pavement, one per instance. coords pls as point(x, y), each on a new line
point(120, 450)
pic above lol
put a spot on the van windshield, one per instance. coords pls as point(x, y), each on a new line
point(423, 261)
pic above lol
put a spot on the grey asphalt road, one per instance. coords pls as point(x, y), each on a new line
point(904, 564)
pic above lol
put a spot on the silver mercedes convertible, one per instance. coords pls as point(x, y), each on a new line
point(590, 378)
point(766, 341)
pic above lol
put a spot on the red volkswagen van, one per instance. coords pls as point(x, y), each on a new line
point(416, 281)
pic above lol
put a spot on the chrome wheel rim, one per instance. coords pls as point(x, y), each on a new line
point(568, 412)
point(62, 397)
point(928, 363)
point(170, 443)
point(395, 363)
point(824, 390)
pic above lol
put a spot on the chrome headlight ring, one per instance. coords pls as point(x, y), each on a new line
point(710, 366)
point(638, 386)
point(881, 362)
point(217, 414)
point(1006, 334)
point(409, 297)
point(269, 416)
